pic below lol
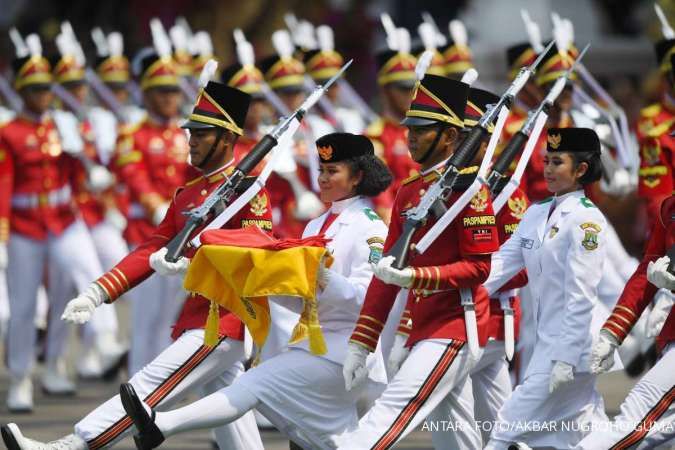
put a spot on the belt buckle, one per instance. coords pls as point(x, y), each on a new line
point(43, 199)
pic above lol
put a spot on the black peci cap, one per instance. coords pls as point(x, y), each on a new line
point(337, 147)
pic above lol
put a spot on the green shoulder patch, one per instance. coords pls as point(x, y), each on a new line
point(586, 202)
point(372, 215)
point(546, 200)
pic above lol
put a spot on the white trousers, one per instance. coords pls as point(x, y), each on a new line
point(155, 304)
point(540, 419)
point(647, 417)
point(433, 378)
point(186, 366)
point(110, 245)
point(303, 395)
point(491, 386)
point(73, 253)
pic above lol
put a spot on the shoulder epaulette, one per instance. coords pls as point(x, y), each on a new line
point(372, 215)
point(585, 201)
point(651, 110)
point(376, 128)
point(546, 200)
point(130, 128)
point(465, 178)
point(410, 179)
point(661, 128)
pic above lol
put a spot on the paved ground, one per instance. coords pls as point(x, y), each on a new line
point(54, 417)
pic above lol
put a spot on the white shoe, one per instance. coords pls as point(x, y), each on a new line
point(55, 380)
point(14, 440)
point(20, 395)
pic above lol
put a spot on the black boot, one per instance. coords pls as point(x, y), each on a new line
point(148, 436)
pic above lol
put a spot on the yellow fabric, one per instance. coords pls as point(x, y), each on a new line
point(239, 279)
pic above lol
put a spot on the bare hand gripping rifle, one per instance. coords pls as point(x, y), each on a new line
point(226, 191)
point(437, 194)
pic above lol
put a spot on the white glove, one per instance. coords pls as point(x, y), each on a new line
point(324, 276)
point(663, 301)
point(308, 206)
point(4, 256)
point(159, 213)
point(399, 352)
point(602, 357)
point(658, 275)
point(116, 219)
point(166, 268)
point(80, 309)
point(354, 368)
point(390, 275)
point(99, 178)
point(562, 373)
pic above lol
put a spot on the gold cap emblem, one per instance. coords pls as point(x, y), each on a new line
point(325, 152)
point(554, 141)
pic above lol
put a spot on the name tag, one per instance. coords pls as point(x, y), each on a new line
point(526, 243)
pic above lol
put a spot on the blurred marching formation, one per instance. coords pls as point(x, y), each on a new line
point(92, 153)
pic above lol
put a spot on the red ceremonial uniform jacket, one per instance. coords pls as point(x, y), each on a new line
point(135, 267)
point(508, 219)
point(657, 155)
point(390, 140)
point(639, 292)
point(532, 182)
point(151, 160)
point(36, 179)
point(459, 259)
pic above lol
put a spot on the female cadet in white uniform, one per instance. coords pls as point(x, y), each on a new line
point(302, 394)
point(560, 241)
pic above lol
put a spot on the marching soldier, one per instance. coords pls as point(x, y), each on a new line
point(395, 78)
point(350, 173)
point(151, 159)
point(433, 376)
point(561, 235)
point(215, 124)
point(38, 222)
point(323, 63)
point(647, 416)
point(293, 208)
point(654, 130)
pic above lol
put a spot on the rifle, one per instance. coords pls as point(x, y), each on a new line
point(518, 140)
point(224, 194)
point(437, 194)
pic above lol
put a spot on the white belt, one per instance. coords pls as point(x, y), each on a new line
point(57, 197)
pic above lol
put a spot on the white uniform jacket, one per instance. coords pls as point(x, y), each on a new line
point(357, 238)
point(564, 258)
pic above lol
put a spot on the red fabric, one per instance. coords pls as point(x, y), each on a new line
point(32, 163)
point(639, 292)
point(463, 261)
point(135, 267)
point(254, 237)
point(327, 223)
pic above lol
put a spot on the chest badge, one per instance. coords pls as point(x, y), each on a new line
point(517, 205)
point(553, 232)
point(259, 205)
point(479, 201)
point(590, 240)
point(156, 145)
point(526, 243)
point(31, 141)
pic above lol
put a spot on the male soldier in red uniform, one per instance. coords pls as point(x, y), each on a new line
point(657, 146)
point(215, 124)
point(433, 376)
point(151, 159)
point(396, 78)
point(647, 416)
point(38, 224)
